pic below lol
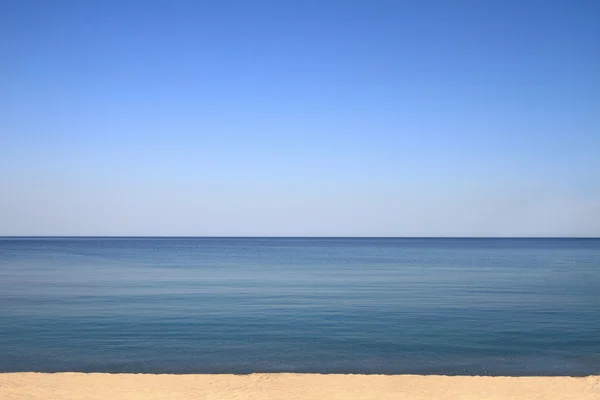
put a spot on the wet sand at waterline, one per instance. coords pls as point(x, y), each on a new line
point(283, 386)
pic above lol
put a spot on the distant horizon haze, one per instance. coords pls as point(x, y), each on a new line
point(7, 237)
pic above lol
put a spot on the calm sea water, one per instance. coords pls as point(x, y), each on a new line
point(239, 305)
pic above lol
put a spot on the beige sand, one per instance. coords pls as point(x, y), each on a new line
point(291, 386)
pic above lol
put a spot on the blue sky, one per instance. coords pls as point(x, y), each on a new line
point(317, 118)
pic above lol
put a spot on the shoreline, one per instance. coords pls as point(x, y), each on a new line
point(276, 386)
point(241, 374)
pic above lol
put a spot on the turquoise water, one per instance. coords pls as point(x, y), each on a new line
point(184, 305)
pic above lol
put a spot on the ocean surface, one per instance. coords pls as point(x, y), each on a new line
point(334, 305)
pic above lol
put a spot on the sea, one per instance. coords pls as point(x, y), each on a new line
point(464, 306)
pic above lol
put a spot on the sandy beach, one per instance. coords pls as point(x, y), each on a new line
point(291, 386)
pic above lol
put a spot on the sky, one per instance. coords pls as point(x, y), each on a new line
point(300, 118)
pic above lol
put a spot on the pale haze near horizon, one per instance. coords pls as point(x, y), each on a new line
point(300, 119)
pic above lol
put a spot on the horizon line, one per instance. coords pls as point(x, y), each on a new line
point(281, 237)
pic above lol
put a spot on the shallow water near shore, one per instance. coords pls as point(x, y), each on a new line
point(327, 305)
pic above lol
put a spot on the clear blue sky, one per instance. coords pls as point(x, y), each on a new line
point(345, 118)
